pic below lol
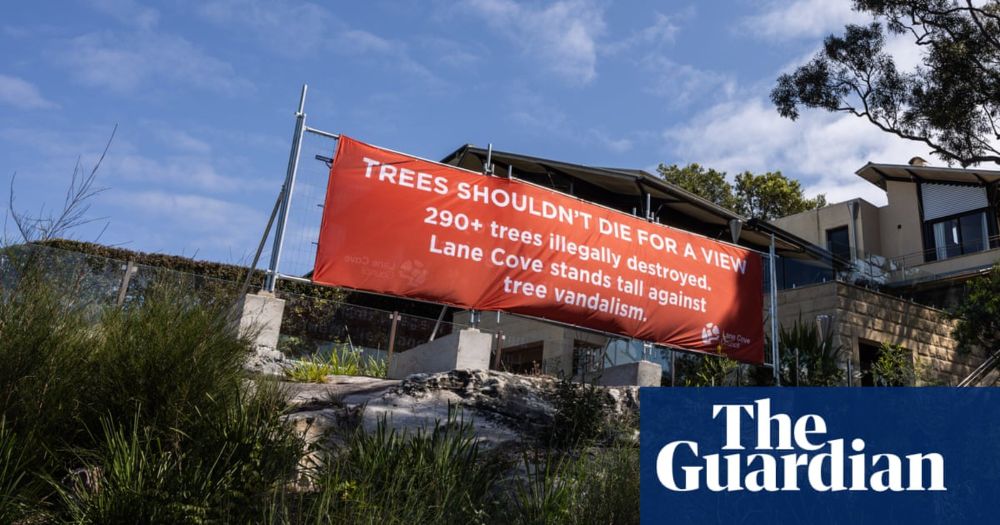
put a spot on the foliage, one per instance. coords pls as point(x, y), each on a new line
point(92, 387)
point(14, 480)
point(599, 487)
point(978, 314)
point(772, 195)
point(385, 477)
point(73, 213)
point(706, 370)
point(767, 196)
point(818, 360)
point(582, 415)
point(704, 182)
point(339, 361)
point(949, 102)
point(893, 367)
point(214, 270)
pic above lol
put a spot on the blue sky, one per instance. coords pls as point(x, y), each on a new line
point(204, 92)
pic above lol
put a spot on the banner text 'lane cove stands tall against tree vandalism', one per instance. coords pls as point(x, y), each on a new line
point(403, 226)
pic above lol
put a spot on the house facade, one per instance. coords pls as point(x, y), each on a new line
point(910, 261)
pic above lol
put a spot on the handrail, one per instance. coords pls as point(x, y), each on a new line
point(981, 370)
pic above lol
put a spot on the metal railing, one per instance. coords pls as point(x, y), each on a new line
point(876, 269)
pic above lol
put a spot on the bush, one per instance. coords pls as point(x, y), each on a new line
point(340, 361)
point(582, 415)
point(14, 480)
point(600, 487)
point(706, 370)
point(149, 401)
point(385, 477)
point(818, 361)
point(893, 367)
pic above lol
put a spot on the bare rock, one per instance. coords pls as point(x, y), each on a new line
point(503, 409)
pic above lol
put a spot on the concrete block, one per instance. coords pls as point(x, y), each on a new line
point(466, 349)
point(260, 317)
point(641, 373)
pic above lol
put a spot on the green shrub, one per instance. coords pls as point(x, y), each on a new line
point(818, 360)
point(582, 415)
point(385, 477)
point(14, 480)
point(226, 474)
point(599, 487)
point(706, 370)
point(149, 400)
point(340, 361)
point(893, 367)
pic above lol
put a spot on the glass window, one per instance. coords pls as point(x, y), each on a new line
point(960, 235)
point(838, 242)
point(974, 233)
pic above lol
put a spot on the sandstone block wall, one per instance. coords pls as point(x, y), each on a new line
point(859, 314)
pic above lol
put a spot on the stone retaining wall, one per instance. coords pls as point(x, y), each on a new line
point(859, 314)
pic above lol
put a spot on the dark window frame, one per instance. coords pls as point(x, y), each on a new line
point(930, 248)
point(845, 254)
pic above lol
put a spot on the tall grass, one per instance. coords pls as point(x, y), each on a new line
point(14, 481)
point(597, 487)
point(439, 476)
point(149, 401)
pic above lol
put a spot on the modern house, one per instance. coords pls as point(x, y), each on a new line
point(908, 259)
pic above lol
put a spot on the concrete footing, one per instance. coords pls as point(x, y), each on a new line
point(641, 373)
point(467, 349)
point(260, 318)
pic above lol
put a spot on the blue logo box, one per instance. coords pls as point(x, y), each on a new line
point(820, 455)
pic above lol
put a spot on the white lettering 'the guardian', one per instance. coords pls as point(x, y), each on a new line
point(828, 469)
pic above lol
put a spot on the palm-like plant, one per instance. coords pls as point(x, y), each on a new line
point(807, 359)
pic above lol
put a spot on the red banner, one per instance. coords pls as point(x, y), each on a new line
point(403, 226)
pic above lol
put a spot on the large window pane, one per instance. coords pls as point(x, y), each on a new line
point(946, 239)
point(974, 233)
point(838, 243)
point(963, 234)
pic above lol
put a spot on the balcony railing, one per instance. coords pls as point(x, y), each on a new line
point(875, 269)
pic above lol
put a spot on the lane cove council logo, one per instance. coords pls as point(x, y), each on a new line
point(710, 334)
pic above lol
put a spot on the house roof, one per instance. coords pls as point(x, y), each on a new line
point(669, 200)
point(878, 174)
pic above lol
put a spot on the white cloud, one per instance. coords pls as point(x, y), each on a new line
point(191, 221)
point(22, 94)
point(534, 115)
point(614, 145)
point(452, 53)
point(147, 60)
point(183, 171)
point(682, 84)
point(821, 149)
point(562, 35)
point(179, 140)
point(783, 20)
point(663, 30)
point(392, 54)
point(128, 12)
point(905, 53)
point(289, 28)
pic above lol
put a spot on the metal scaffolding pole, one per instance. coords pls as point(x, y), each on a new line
point(293, 167)
point(774, 314)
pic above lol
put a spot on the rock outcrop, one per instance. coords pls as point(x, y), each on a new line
point(504, 409)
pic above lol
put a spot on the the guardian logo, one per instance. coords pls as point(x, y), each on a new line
point(791, 455)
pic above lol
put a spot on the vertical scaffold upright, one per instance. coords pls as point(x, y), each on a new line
point(287, 190)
